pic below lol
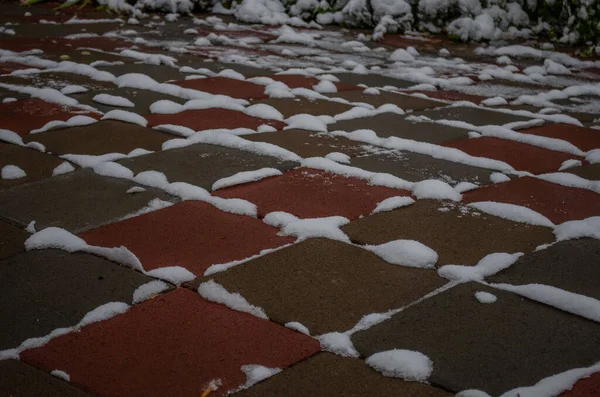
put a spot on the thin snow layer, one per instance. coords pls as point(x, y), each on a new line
point(393, 203)
point(338, 343)
point(112, 100)
point(12, 172)
point(128, 117)
point(306, 122)
point(338, 157)
point(434, 189)
point(487, 266)
point(153, 205)
point(512, 212)
point(296, 326)
point(404, 364)
point(405, 252)
point(571, 302)
point(63, 168)
point(264, 111)
point(173, 274)
point(592, 157)
point(61, 374)
point(485, 297)
point(146, 291)
point(290, 225)
point(214, 292)
point(245, 177)
point(74, 121)
point(257, 373)
point(498, 177)
point(73, 89)
point(11, 137)
point(571, 180)
point(589, 227)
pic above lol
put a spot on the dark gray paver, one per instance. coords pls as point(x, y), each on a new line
point(492, 347)
point(590, 171)
point(36, 165)
point(327, 375)
point(12, 240)
point(202, 165)
point(571, 265)
point(76, 201)
point(18, 379)
point(372, 80)
point(48, 289)
point(4, 93)
point(403, 101)
point(326, 285)
point(472, 115)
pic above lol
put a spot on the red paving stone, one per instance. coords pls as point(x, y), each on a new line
point(309, 193)
point(9, 67)
point(450, 96)
point(207, 119)
point(192, 234)
point(558, 203)
point(172, 345)
point(586, 387)
point(225, 86)
point(301, 81)
point(29, 114)
point(582, 137)
point(520, 156)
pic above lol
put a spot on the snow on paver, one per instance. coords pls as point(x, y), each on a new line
point(212, 119)
point(33, 164)
point(175, 331)
point(318, 107)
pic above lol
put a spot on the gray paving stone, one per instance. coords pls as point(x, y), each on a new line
point(475, 116)
point(403, 101)
point(494, 347)
point(372, 80)
point(12, 240)
point(36, 165)
point(76, 201)
point(47, 289)
point(590, 171)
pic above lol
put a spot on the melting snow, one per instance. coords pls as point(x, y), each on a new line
point(146, 291)
point(392, 203)
point(61, 374)
point(589, 227)
point(112, 100)
point(434, 189)
point(72, 122)
point(296, 326)
point(63, 168)
point(291, 225)
point(257, 373)
point(512, 212)
point(128, 117)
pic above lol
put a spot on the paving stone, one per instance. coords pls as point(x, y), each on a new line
point(106, 136)
point(416, 167)
point(193, 235)
point(584, 138)
point(49, 289)
point(29, 114)
point(47, 30)
point(472, 115)
point(36, 165)
point(21, 380)
point(301, 81)
point(455, 232)
point(311, 144)
point(326, 285)
point(591, 171)
point(172, 345)
point(328, 375)
point(57, 80)
point(492, 347)
point(5, 93)
point(586, 387)
point(160, 73)
point(520, 156)
point(384, 97)
point(225, 86)
point(450, 96)
point(319, 107)
point(9, 67)
point(556, 202)
point(76, 201)
point(216, 162)
point(392, 124)
point(12, 240)
point(323, 194)
point(570, 265)
point(372, 80)
point(208, 119)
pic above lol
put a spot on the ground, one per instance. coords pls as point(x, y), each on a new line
point(197, 207)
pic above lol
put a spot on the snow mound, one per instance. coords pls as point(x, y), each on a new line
point(404, 364)
point(338, 343)
point(338, 157)
point(498, 177)
point(406, 252)
point(303, 229)
point(513, 212)
point(485, 297)
point(393, 203)
point(264, 111)
point(589, 227)
point(10, 172)
point(434, 189)
point(487, 266)
point(146, 291)
point(245, 177)
point(296, 326)
point(72, 122)
point(128, 117)
point(306, 122)
point(214, 292)
point(61, 374)
point(257, 373)
point(173, 274)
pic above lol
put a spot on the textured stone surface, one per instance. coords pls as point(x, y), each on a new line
point(317, 107)
point(12, 240)
point(36, 165)
point(209, 119)
point(472, 115)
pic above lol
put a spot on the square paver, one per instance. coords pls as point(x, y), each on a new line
point(309, 193)
point(591, 171)
point(36, 165)
point(403, 101)
point(326, 285)
point(495, 347)
point(520, 156)
point(193, 235)
point(76, 201)
point(472, 115)
point(106, 136)
point(12, 240)
point(22, 380)
point(556, 202)
point(392, 124)
point(209, 119)
point(172, 345)
point(459, 234)
point(225, 86)
point(202, 165)
point(49, 289)
point(317, 107)
point(584, 138)
point(328, 375)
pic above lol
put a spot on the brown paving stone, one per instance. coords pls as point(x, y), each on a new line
point(571, 265)
point(300, 81)
point(12, 240)
point(323, 194)
point(586, 387)
point(225, 86)
point(404, 102)
point(327, 375)
point(21, 380)
point(450, 96)
point(492, 347)
point(172, 345)
point(520, 156)
point(193, 235)
point(106, 136)
point(472, 115)
point(36, 165)
point(372, 80)
point(584, 138)
point(556, 202)
point(76, 201)
point(457, 234)
point(591, 171)
point(49, 289)
point(208, 119)
point(326, 285)
point(320, 107)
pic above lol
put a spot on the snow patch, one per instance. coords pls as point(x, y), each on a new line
point(393, 203)
point(512, 212)
point(487, 266)
point(409, 253)
point(328, 227)
point(296, 326)
point(128, 117)
point(10, 172)
point(338, 343)
point(245, 177)
point(214, 292)
point(404, 364)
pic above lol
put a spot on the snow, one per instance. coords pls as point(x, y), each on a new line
point(263, 111)
point(485, 297)
point(175, 129)
point(495, 101)
point(73, 89)
point(11, 137)
point(328, 227)
point(338, 343)
point(571, 180)
point(462, 187)
point(214, 292)
point(74, 121)
point(61, 374)
point(112, 100)
point(325, 86)
point(221, 267)
point(409, 253)
point(512, 212)
point(404, 364)
point(401, 55)
point(306, 122)
point(31, 227)
point(63, 168)
point(245, 177)
point(148, 290)
point(434, 189)
point(487, 266)
point(338, 157)
point(135, 189)
point(498, 177)
point(128, 117)
point(103, 312)
point(589, 227)
point(12, 172)
point(113, 169)
point(296, 326)
point(393, 203)
point(569, 164)
point(257, 373)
